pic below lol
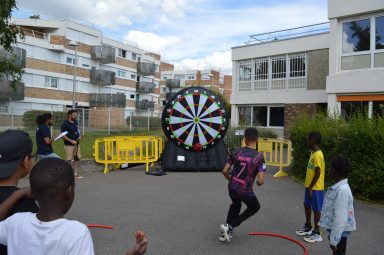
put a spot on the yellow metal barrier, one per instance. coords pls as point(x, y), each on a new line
point(128, 149)
point(277, 152)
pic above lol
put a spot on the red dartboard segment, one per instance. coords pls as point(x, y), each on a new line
point(195, 119)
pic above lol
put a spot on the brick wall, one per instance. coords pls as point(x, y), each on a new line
point(166, 66)
point(292, 111)
point(61, 40)
point(227, 86)
point(126, 83)
point(125, 62)
point(99, 117)
point(55, 94)
point(56, 67)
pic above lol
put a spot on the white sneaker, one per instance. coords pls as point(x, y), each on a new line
point(313, 237)
point(222, 236)
point(226, 231)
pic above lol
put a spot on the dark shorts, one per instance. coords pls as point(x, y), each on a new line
point(316, 202)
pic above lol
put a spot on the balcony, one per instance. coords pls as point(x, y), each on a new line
point(107, 100)
point(172, 83)
point(102, 77)
point(18, 54)
point(146, 69)
point(169, 95)
point(103, 53)
point(8, 93)
point(145, 105)
point(145, 87)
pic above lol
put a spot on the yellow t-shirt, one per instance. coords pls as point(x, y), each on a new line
point(316, 160)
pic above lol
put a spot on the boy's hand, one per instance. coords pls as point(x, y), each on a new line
point(25, 192)
point(141, 244)
point(310, 193)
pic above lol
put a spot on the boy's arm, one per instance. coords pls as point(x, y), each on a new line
point(314, 180)
point(340, 218)
point(7, 206)
point(225, 171)
point(260, 178)
point(261, 168)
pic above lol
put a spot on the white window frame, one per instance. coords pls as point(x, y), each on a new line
point(48, 82)
point(121, 73)
point(372, 51)
point(72, 61)
point(268, 115)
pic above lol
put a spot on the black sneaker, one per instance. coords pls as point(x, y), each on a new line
point(306, 230)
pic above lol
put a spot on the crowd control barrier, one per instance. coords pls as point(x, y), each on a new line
point(119, 150)
point(277, 152)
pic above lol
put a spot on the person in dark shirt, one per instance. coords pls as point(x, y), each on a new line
point(16, 162)
point(71, 140)
point(247, 164)
point(43, 136)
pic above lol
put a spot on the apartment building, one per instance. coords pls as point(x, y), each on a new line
point(279, 74)
point(356, 56)
point(174, 80)
point(60, 55)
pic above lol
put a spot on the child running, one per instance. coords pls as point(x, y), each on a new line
point(337, 215)
point(47, 232)
point(314, 189)
point(247, 164)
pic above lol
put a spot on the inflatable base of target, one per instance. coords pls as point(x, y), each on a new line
point(176, 158)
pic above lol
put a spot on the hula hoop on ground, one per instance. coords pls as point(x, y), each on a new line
point(99, 226)
point(282, 237)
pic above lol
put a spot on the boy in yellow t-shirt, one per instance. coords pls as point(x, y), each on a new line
point(314, 189)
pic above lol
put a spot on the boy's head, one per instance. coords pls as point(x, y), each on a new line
point(72, 115)
point(340, 166)
point(45, 118)
point(314, 140)
point(251, 135)
point(52, 184)
point(16, 160)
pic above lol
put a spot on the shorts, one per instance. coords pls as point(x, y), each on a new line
point(70, 152)
point(316, 202)
point(50, 155)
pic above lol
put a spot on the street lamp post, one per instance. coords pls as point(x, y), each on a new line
point(74, 44)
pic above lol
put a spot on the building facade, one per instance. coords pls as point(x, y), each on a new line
point(105, 73)
point(356, 59)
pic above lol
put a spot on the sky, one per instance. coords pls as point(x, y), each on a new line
point(192, 34)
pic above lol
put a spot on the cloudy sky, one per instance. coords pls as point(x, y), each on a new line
point(192, 34)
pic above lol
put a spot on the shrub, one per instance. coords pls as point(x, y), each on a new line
point(29, 118)
point(360, 139)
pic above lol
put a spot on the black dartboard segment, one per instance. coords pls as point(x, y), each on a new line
point(195, 119)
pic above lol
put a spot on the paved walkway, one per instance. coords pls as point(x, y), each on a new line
point(181, 213)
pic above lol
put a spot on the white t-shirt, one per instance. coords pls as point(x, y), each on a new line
point(24, 233)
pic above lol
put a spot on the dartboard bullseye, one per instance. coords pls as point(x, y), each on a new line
point(195, 119)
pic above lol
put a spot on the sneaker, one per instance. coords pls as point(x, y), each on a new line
point(315, 236)
point(222, 236)
point(78, 176)
point(306, 230)
point(226, 230)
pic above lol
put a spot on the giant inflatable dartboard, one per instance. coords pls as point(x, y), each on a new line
point(195, 119)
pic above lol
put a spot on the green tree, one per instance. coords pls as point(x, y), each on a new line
point(9, 34)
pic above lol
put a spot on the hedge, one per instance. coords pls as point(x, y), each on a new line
point(360, 139)
point(29, 118)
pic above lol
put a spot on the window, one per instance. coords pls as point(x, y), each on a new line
point(378, 108)
point(132, 96)
point(297, 65)
point(164, 102)
point(348, 109)
point(71, 61)
point(245, 70)
point(134, 56)
point(261, 69)
point(122, 53)
point(133, 76)
point(245, 115)
point(163, 90)
point(276, 116)
point(120, 73)
point(85, 65)
point(260, 116)
point(356, 36)
point(180, 76)
point(190, 77)
point(279, 67)
point(51, 82)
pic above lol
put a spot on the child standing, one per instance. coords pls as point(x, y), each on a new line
point(337, 215)
point(247, 164)
point(314, 189)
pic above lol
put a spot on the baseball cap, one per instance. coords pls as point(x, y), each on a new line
point(14, 145)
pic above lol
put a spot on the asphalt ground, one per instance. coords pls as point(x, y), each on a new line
point(181, 214)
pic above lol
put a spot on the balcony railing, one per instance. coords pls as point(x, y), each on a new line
point(34, 33)
point(145, 87)
point(172, 83)
point(107, 100)
point(145, 105)
point(9, 93)
point(103, 77)
point(103, 53)
point(146, 69)
point(18, 54)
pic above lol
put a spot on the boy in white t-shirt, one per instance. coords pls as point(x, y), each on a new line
point(47, 232)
